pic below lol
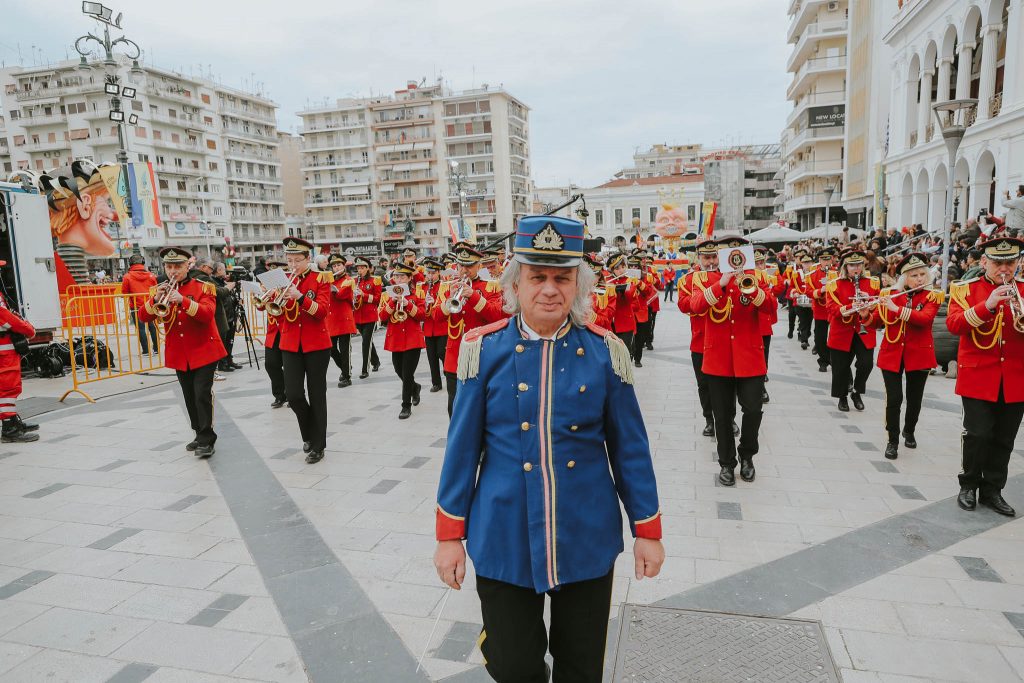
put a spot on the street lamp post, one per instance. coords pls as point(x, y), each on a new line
point(952, 118)
point(957, 189)
point(459, 178)
point(829, 189)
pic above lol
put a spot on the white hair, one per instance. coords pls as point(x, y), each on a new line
point(901, 281)
point(321, 261)
point(580, 313)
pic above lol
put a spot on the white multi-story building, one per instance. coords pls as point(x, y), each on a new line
point(213, 148)
point(954, 49)
point(379, 169)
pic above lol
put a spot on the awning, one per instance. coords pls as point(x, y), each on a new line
point(358, 189)
point(411, 166)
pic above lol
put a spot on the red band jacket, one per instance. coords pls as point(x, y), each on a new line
point(304, 321)
point(340, 320)
point(403, 335)
point(907, 334)
point(625, 308)
point(841, 329)
point(697, 320)
point(483, 306)
point(733, 346)
point(366, 299)
point(190, 329)
point(818, 281)
point(431, 326)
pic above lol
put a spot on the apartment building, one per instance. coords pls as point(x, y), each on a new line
point(377, 171)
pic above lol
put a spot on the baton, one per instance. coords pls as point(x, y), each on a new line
point(437, 621)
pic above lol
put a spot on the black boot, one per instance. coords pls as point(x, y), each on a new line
point(405, 414)
point(306, 447)
point(204, 450)
point(803, 346)
point(908, 439)
point(764, 395)
point(26, 426)
point(12, 433)
point(994, 501)
point(364, 374)
point(416, 394)
point(278, 402)
point(314, 457)
point(727, 477)
point(344, 382)
point(435, 388)
point(967, 500)
point(858, 403)
point(709, 429)
point(892, 450)
point(747, 472)
point(843, 405)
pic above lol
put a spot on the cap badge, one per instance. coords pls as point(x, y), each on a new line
point(548, 239)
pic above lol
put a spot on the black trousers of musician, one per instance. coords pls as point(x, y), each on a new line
point(341, 354)
point(640, 339)
point(652, 316)
point(670, 292)
point(804, 317)
point(405, 363)
point(305, 385)
point(861, 358)
point(451, 385)
point(990, 428)
point(435, 357)
point(894, 400)
point(725, 392)
point(197, 388)
point(767, 339)
point(703, 391)
point(369, 349)
point(821, 342)
point(628, 340)
point(792, 317)
point(514, 638)
point(273, 361)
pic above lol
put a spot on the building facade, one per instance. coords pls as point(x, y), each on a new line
point(742, 181)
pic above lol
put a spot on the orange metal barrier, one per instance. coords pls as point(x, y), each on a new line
point(107, 318)
point(99, 314)
point(257, 319)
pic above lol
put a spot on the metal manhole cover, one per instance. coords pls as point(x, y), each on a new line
point(660, 645)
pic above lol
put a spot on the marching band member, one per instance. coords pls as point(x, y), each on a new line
point(820, 277)
point(733, 358)
point(435, 334)
point(626, 295)
point(492, 264)
point(403, 314)
point(769, 314)
point(273, 361)
point(409, 258)
point(603, 297)
point(851, 332)
point(341, 324)
point(653, 279)
point(306, 345)
point(15, 430)
point(800, 288)
point(987, 313)
point(641, 307)
point(707, 260)
point(192, 344)
point(364, 307)
point(549, 398)
point(905, 313)
point(465, 303)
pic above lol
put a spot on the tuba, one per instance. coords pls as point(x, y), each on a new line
point(162, 304)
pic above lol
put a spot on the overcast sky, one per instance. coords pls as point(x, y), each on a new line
point(601, 77)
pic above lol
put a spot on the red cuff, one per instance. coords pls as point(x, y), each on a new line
point(450, 528)
point(649, 528)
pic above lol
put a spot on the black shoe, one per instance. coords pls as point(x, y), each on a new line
point(314, 457)
point(649, 346)
point(858, 403)
point(204, 450)
point(727, 477)
point(25, 426)
point(306, 447)
point(376, 368)
point(416, 395)
point(892, 449)
point(344, 383)
point(822, 368)
point(225, 367)
point(908, 440)
point(735, 429)
point(747, 472)
point(364, 374)
point(790, 335)
point(709, 429)
point(843, 405)
point(814, 352)
point(637, 364)
point(405, 414)
point(278, 402)
point(435, 388)
point(966, 499)
point(804, 345)
point(764, 396)
point(237, 366)
point(191, 445)
point(17, 435)
point(994, 501)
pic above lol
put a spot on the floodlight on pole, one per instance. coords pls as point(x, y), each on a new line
point(952, 119)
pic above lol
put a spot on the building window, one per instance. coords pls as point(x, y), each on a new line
point(618, 216)
point(636, 214)
point(691, 213)
point(653, 212)
point(599, 217)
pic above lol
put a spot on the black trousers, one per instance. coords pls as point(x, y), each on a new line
point(841, 362)
point(725, 392)
point(514, 639)
point(627, 338)
point(652, 316)
point(341, 354)
point(307, 372)
point(821, 342)
point(670, 292)
point(197, 388)
point(273, 361)
point(369, 349)
point(405, 363)
point(767, 339)
point(451, 384)
point(792, 317)
point(142, 327)
point(435, 357)
point(643, 334)
point(894, 400)
point(804, 317)
point(703, 392)
point(990, 428)
point(229, 337)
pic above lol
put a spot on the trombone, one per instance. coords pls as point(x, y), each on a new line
point(162, 304)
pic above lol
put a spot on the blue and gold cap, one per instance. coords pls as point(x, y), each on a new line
point(549, 241)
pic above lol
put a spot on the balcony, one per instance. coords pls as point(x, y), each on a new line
point(335, 163)
point(182, 146)
point(409, 119)
point(175, 193)
point(811, 200)
point(811, 135)
point(46, 146)
point(181, 121)
point(814, 67)
point(331, 125)
point(253, 114)
point(995, 105)
point(341, 200)
point(808, 169)
point(252, 177)
point(232, 132)
point(325, 145)
point(175, 170)
point(258, 198)
point(241, 155)
point(812, 35)
point(818, 99)
point(32, 121)
point(803, 15)
point(170, 92)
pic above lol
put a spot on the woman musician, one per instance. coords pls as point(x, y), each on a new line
point(905, 313)
point(603, 297)
point(402, 308)
point(626, 295)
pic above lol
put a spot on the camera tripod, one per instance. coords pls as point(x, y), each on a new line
point(243, 321)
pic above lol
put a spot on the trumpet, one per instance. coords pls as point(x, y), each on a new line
point(1016, 304)
point(162, 304)
point(455, 304)
point(399, 293)
point(275, 307)
point(747, 284)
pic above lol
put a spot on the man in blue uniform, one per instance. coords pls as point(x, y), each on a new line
point(546, 437)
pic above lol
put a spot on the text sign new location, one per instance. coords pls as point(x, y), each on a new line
point(826, 117)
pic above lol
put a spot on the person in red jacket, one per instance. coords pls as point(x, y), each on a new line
point(905, 313)
point(435, 334)
point(273, 361)
point(641, 306)
point(707, 261)
point(603, 297)
point(851, 332)
point(306, 345)
point(341, 324)
point(774, 285)
point(733, 361)
point(800, 288)
point(624, 322)
point(364, 308)
point(463, 304)
point(819, 278)
point(404, 312)
point(192, 343)
point(990, 376)
point(15, 430)
point(654, 281)
point(137, 282)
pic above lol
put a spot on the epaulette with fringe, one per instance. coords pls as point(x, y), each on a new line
point(875, 282)
point(493, 286)
point(622, 364)
point(937, 296)
point(377, 281)
point(209, 288)
point(325, 277)
point(959, 290)
point(469, 350)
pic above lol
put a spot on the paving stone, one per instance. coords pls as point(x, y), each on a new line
point(133, 673)
point(978, 569)
point(114, 465)
point(884, 466)
point(866, 446)
point(114, 538)
point(80, 592)
point(23, 583)
point(172, 571)
point(76, 631)
point(908, 492)
point(192, 647)
point(729, 510)
point(851, 429)
point(186, 502)
point(384, 486)
point(54, 666)
point(12, 654)
point(46, 490)
point(416, 462)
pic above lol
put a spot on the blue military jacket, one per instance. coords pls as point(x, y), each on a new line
point(546, 437)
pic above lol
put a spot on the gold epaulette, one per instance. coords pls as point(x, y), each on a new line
point(493, 286)
point(377, 281)
point(831, 285)
point(469, 350)
point(937, 296)
point(325, 277)
point(958, 292)
point(699, 278)
point(622, 364)
point(209, 288)
point(875, 282)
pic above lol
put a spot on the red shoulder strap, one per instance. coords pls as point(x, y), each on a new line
point(486, 329)
point(597, 329)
